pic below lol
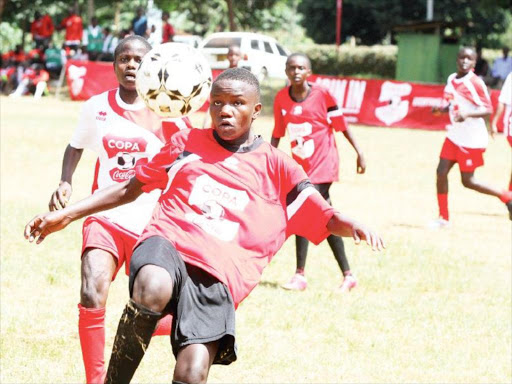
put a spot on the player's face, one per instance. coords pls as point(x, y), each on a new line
point(466, 60)
point(297, 70)
point(127, 63)
point(234, 105)
point(234, 56)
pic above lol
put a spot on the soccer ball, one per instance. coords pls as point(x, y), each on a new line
point(174, 79)
point(125, 161)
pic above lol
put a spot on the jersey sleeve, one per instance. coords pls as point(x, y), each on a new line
point(335, 116)
point(307, 212)
point(86, 134)
point(482, 97)
point(279, 125)
point(154, 174)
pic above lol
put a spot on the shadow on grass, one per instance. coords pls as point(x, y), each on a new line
point(482, 213)
point(269, 284)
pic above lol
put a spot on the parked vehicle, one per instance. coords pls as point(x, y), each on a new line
point(262, 55)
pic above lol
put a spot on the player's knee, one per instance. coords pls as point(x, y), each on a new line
point(193, 371)
point(468, 181)
point(152, 287)
point(94, 292)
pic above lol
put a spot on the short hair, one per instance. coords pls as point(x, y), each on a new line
point(463, 48)
point(127, 40)
point(240, 74)
point(298, 54)
point(165, 13)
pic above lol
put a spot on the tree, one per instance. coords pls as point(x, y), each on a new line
point(371, 20)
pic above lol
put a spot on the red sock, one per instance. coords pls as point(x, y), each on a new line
point(91, 328)
point(506, 196)
point(164, 326)
point(300, 271)
point(442, 201)
point(510, 186)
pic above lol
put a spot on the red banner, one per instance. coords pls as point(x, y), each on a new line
point(89, 78)
point(389, 103)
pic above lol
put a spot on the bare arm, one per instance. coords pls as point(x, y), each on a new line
point(344, 226)
point(494, 124)
point(480, 112)
point(274, 141)
point(62, 194)
point(122, 193)
point(361, 162)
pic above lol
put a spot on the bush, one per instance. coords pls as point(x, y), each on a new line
point(378, 61)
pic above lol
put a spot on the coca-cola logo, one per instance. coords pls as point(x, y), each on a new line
point(119, 174)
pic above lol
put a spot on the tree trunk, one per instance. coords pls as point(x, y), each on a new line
point(2, 6)
point(117, 16)
point(231, 15)
point(90, 10)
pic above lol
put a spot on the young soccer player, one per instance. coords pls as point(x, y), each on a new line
point(311, 116)
point(124, 133)
point(468, 103)
point(229, 202)
point(505, 105)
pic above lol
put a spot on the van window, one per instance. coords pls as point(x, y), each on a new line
point(282, 52)
point(268, 48)
point(223, 42)
point(255, 44)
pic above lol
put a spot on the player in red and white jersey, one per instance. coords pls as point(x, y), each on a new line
point(468, 103)
point(229, 202)
point(505, 110)
point(310, 115)
point(124, 133)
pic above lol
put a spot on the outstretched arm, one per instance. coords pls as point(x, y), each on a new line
point(42, 225)
point(361, 162)
point(342, 225)
point(479, 112)
point(62, 194)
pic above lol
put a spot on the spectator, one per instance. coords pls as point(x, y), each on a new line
point(74, 29)
point(501, 67)
point(55, 59)
point(41, 30)
point(481, 66)
point(140, 23)
point(153, 37)
point(167, 28)
point(93, 39)
point(81, 54)
point(109, 45)
point(35, 79)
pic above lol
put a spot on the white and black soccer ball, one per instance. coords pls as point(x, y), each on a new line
point(174, 79)
point(125, 161)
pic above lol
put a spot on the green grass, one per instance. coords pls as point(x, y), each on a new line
point(435, 307)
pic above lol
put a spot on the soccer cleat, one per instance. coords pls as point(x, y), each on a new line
point(509, 206)
point(349, 282)
point(298, 282)
point(438, 224)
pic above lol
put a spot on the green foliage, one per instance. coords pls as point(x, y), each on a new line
point(10, 35)
point(377, 61)
point(371, 20)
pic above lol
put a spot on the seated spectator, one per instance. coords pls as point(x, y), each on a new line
point(41, 30)
point(81, 54)
point(501, 67)
point(93, 39)
point(109, 45)
point(35, 80)
point(167, 28)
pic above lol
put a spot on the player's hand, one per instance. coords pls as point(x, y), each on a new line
point(436, 111)
point(42, 225)
point(360, 232)
point(61, 196)
point(459, 117)
point(361, 164)
point(494, 130)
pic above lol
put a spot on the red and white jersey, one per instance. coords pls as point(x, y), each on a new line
point(227, 209)
point(123, 135)
point(467, 94)
point(310, 125)
point(506, 99)
point(74, 29)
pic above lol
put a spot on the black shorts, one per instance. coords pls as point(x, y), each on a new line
point(324, 191)
point(202, 307)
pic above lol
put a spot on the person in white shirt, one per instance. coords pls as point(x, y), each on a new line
point(501, 67)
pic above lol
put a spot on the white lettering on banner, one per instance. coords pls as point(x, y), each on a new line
point(427, 102)
point(126, 145)
point(396, 109)
point(355, 95)
point(212, 197)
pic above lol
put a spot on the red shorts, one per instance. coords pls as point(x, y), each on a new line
point(509, 138)
point(100, 233)
point(468, 159)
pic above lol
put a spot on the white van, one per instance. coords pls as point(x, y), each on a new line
point(263, 55)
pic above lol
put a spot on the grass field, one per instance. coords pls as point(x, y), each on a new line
point(435, 307)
